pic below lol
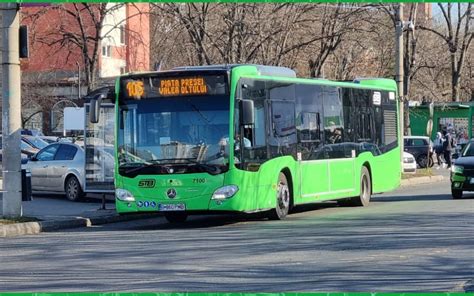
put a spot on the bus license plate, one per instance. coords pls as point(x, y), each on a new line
point(171, 207)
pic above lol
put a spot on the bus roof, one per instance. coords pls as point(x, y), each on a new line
point(272, 72)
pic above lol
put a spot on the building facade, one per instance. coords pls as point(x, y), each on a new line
point(73, 49)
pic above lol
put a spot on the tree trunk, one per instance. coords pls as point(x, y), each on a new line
point(454, 79)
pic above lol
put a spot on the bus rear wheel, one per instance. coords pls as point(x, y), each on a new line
point(178, 217)
point(283, 199)
point(365, 190)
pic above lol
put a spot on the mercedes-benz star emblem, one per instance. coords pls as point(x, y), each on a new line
point(171, 193)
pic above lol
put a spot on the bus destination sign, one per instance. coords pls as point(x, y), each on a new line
point(182, 86)
point(138, 88)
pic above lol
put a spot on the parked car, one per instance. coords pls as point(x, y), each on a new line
point(58, 168)
point(35, 142)
point(54, 139)
point(421, 148)
point(462, 171)
point(33, 132)
point(50, 139)
point(26, 148)
point(409, 163)
point(24, 160)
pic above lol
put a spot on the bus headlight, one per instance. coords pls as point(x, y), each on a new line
point(457, 169)
point(124, 195)
point(225, 192)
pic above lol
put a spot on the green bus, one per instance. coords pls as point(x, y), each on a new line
point(251, 138)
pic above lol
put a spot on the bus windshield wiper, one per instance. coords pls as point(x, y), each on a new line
point(135, 166)
point(211, 169)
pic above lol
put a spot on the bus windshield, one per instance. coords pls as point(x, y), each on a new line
point(174, 135)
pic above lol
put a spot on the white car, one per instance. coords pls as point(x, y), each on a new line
point(409, 163)
point(58, 168)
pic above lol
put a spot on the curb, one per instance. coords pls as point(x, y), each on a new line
point(18, 229)
point(422, 180)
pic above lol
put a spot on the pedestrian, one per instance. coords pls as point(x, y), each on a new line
point(447, 147)
point(438, 146)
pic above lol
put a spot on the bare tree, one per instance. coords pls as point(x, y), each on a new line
point(81, 29)
point(248, 32)
point(456, 31)
point(36, 99)
point(335, 22)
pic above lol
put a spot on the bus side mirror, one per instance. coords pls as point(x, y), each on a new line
point(94, 109)
point(246, 112)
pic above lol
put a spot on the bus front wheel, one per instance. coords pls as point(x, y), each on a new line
point(456, 193)
point(365, 189)
point(283, 199)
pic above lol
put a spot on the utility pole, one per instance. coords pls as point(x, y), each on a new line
point(399, 69)
point(11, 117)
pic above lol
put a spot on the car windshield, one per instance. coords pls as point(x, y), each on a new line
point(469, 149)
point(26, 146)
point(37, 142)
point(23, 145)
point(183, 131)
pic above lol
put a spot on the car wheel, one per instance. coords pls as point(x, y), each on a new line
point(422, 160)
point(176, 217)
point(456, 193)
point(283, 199)
point(73, 189)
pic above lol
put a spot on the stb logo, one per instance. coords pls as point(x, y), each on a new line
point(171, 193)
point(147, 183)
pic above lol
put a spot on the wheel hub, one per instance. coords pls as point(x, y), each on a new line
point(283, 196)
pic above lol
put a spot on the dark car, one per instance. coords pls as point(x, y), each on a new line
point(421, 148)
point(462, 172)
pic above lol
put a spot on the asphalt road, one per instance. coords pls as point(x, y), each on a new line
point(415, 239)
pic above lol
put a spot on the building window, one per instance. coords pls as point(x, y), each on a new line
point(106, 51)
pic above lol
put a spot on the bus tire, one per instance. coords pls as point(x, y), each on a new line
point(283, 199)
point(365, 189)
point(456, 193)
point(178, 217)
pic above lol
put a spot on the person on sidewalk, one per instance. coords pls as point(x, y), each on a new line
point(438, 146)
point(447, 147)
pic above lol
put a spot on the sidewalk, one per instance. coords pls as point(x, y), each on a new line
point(56, 212)
point(439, 175)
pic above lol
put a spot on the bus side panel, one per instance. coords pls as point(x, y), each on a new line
point(342, 173)
point(314, 178)
point(385, 170)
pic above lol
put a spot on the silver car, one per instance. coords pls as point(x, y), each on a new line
point(58, 168)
